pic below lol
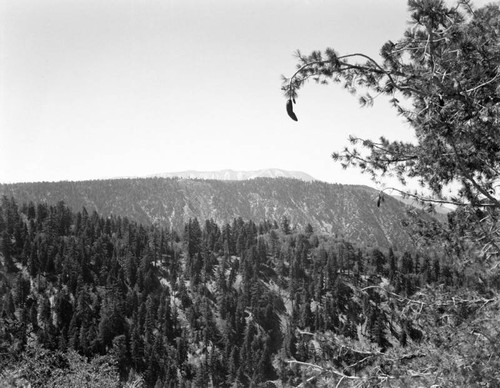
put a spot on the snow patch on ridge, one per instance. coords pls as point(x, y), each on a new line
point(236, 175)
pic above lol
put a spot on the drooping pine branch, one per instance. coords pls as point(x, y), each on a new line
point(443, 77)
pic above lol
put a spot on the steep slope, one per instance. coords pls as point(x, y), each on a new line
point(350, 211)
point(240, 306)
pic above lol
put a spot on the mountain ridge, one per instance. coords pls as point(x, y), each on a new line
point(347, 211)
point(238, 175)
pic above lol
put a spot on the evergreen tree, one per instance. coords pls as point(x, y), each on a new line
point(6, 249)
point(442, 77)
point(21, 290)
point(285, 225)
point(378, 261)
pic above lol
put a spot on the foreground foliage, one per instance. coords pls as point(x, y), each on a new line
point(443, 77)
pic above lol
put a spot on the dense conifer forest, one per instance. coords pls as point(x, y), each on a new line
point(94, 301)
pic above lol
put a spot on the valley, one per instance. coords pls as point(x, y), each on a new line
point(120, 304)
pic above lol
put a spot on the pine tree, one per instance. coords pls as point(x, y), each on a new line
point(285, 225)
point(9, 307)
point(378, 261)
point(22, 289)
point(392, 264)
point(136, 346)
point(6, 249)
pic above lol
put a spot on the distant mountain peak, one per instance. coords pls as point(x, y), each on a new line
point(232, 175)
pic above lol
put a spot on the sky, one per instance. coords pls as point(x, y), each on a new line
point(93, 89)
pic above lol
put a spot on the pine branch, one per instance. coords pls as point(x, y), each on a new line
point(378, 70)
point(424, 199)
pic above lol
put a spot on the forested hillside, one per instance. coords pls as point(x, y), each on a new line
point(345, 210)
point(110, 302)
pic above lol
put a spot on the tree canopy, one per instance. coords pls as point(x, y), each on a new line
point(443, 77)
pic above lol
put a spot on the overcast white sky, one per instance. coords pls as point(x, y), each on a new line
point(92, 89)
